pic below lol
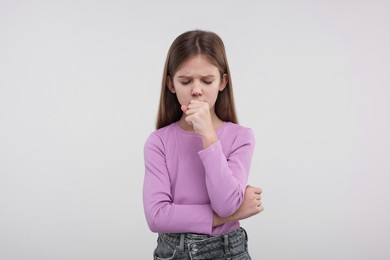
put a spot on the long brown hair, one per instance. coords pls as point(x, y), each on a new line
point(185, 46)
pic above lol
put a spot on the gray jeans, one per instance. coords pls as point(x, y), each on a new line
point(231, 246)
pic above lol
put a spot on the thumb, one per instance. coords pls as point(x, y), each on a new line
point(184, 108)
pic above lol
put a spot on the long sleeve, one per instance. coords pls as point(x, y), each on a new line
point(161, 213)
point(227, 176)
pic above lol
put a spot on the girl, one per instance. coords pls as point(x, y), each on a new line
point(198, 160)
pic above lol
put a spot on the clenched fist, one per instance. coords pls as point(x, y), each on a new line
point(251, 205)
point(198, 115)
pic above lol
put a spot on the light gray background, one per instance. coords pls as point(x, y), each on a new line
point(79, 88)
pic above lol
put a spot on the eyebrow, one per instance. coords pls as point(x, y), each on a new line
point(206, 76)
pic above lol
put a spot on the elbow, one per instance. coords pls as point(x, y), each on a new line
point(157, 223)
point(154, 228)
point(154, 225)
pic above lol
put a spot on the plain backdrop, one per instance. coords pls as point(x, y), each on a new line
point(79, 90)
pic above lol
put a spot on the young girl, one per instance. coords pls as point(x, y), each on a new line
point(198, 160)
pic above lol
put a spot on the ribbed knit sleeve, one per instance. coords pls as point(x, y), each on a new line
point(161, 213)
point(227, 176)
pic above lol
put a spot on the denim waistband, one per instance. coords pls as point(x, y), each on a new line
point(196, 242)
point(176, 237)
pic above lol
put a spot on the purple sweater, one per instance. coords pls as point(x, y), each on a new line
point(184, 183)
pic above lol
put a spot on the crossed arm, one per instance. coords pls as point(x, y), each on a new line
point(251, 206)
point(163, 215)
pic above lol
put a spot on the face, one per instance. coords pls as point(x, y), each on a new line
point(197, 79)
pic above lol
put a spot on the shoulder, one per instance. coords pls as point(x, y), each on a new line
point(238, 131)
point(235, 137)
point(159, 136)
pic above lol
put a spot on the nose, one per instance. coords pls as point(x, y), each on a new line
point(196, 90)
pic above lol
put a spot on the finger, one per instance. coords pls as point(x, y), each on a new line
point(194, 108)
point(189, 120)
point(194, 101)
point(257, 190)
point(184, 108)
point(190, 111)
point(198, 104)
point(254, 190)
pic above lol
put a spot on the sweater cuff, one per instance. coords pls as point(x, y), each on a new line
point(209, 151)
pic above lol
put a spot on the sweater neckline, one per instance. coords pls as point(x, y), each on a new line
point(181, 130)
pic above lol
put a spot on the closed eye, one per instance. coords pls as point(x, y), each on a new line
point(185, 82)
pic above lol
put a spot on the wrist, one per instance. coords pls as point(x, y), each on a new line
point(217, 220)
point(208, 140)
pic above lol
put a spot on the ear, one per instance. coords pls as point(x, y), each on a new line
point(170, 85)
point(224, 82)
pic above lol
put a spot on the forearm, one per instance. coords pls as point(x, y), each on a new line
point(172, 218)
point(225, 178)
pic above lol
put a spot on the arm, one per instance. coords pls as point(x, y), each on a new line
point(251, 206)
point(161, 213)
point(226, 177)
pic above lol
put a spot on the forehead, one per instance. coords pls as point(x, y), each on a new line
point(197, 65)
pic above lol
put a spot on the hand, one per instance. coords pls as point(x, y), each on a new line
point(198, 115)
point(250, 206)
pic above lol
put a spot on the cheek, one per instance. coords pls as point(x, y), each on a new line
point(213, 92)
point(183, 98)
point(212, 96)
